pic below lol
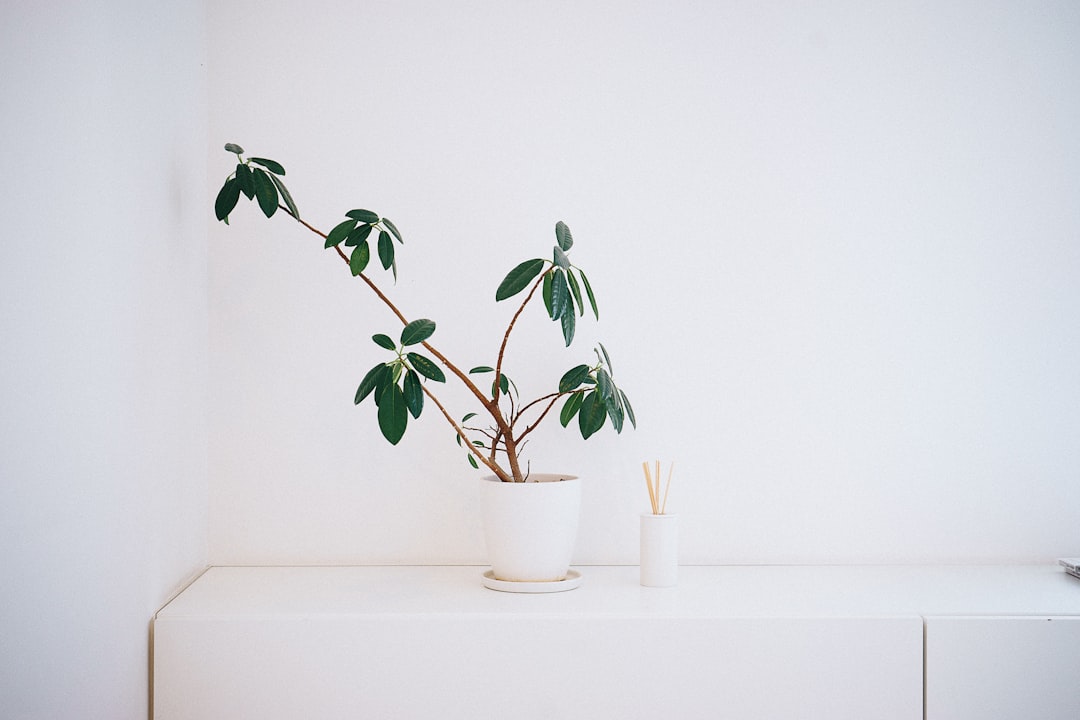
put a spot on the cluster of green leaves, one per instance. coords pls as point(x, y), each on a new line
point(594, 397)
point(354, 232)
point(256, 183)
point(396, 384)
point(562, 287)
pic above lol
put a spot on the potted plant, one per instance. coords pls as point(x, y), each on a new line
point(401, 386)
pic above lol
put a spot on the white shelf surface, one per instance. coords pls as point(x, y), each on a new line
point(613, 591)
point(753, 642)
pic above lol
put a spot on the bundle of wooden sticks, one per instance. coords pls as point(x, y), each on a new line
point(658, 506)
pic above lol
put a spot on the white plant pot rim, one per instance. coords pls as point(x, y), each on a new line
point(535, 478)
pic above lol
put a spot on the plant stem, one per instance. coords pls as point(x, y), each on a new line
point(529, 428)
point(550, 396)
point(491, 465)
point(489, 404)
point(510, 327)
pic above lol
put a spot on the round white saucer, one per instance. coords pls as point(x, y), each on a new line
point(573, 579)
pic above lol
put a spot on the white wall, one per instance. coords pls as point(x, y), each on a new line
point(836, 248)
point(103, 352)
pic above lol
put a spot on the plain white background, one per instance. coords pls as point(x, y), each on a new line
point(835, 246)
point(103, 500)
point(836, 249)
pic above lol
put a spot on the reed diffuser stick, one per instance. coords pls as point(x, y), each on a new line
point(667, 489)
point(649, 483)
point(656, 484)
point(652, 481)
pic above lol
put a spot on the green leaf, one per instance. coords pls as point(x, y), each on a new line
point(417, 331)
point(270, 165)
point(481, 369)
point(339, 233)
point(518, 279)
point(575, 290)
point(357, 235)
point(385, 237)
point(546, 291)
point(570, 408)
point(234, 148)
point(227, 198)
point(573, 378)
point(385, 381)
point(560, 296)
point(414, 394)
point(426, 367)
point(592, 415)
point(384, 341)
point(604, 384)
point(569, 322)
point(615, 411)
point(393, 415)
point(370, 381)
point(247, 183)
point(589, 292)
point(386, 252)
point(286, 196)
point(468, 417)
point(607, 358)
point(472, 461)
point(359, 259)
point(560, 259)
point(365, 216)
point(629, 410)
point(563, 236)
point(265, 192)
point(616, 415)
point(393, 229)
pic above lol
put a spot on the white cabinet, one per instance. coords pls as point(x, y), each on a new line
point(1006, 668)
point(727, 642)
point(546, 667)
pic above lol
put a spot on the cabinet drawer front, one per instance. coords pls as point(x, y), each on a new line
point(1006, 668)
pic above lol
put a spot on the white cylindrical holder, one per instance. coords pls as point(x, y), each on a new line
point(659, 550)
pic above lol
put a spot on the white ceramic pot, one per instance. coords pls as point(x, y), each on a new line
point(530, 527)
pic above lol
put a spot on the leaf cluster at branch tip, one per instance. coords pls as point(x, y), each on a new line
point(594, 397)
point(396, 384)
point(262, 184)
